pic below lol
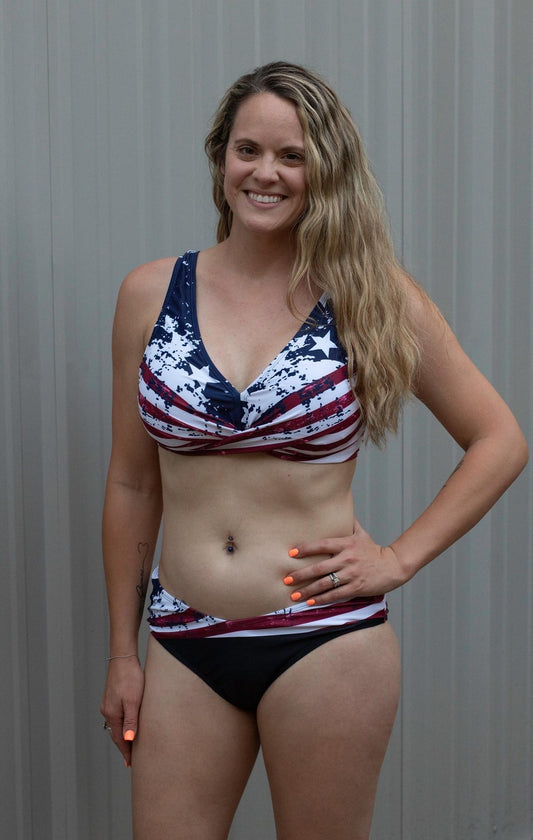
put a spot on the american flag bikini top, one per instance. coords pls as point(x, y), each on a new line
point(300, 408)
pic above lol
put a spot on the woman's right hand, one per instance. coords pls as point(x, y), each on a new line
point(121, 702)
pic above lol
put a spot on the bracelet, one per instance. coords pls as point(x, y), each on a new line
point(120, 656)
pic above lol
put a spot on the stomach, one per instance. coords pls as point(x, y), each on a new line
point(229, 522)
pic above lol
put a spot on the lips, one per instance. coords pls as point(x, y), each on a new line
point(265, 198)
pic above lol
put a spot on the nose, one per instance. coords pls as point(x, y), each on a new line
point(266, 170)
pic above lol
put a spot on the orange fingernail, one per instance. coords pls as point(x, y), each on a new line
point(288, 580)
point(129, 735)
point(126, 763)
point(293, 552)
point(296, 596)
point(311, 602)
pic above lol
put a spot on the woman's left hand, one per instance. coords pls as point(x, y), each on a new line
point(356, 567)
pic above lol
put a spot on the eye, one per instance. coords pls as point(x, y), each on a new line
point(294, 158)
point(246, 151)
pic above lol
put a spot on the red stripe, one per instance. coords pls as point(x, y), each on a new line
point(265, 425)
point(270, 425)
point(313, 389)
point(232, 441)
point(265, 622)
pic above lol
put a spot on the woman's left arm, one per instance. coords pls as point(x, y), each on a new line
point(474, 414)
point(478, 419)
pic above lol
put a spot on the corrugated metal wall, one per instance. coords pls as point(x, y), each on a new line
point(104, 105)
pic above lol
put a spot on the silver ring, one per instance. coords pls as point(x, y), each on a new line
point(107, 726)
point(334, 579)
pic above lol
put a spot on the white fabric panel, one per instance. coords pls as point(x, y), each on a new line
point(104, 105)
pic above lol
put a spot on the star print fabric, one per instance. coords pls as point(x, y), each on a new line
point(301, 406)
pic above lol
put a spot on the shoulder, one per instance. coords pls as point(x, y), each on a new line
point(424, 318)
point(418, 303)
point(142, 293)
point(146, 281)
point(140, 298)
point(447, 381)
point(440, 356)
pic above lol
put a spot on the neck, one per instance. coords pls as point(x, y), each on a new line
point(259, 256)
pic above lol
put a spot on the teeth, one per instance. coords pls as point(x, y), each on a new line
point(266, 199)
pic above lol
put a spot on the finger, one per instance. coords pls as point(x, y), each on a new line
point(325, 586)
point(113, 725)
point(124, 748)
point(309, 574)
point(331, 545)
point(126, 752)
point(123, 745)
point(322, 592)
point(123, 730)
point(129, 731)
point(129, 725)
point(331, 596)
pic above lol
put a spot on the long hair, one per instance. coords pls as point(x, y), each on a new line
point(343, 242)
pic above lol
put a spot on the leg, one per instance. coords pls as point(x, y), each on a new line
point(192, 756)
point(324, 726)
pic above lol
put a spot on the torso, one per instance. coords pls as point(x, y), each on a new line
point(229, 521)
point(265, 505)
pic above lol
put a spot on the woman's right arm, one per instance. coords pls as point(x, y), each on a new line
point(132, 512)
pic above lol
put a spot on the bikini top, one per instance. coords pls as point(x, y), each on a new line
point(300, 408)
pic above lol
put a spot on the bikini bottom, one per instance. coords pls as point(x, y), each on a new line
point(240, 670)
point(240, 659)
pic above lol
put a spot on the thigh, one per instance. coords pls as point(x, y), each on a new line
point(324, 727)
point(192, 756)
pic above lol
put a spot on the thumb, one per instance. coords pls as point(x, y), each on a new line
point(129, 725)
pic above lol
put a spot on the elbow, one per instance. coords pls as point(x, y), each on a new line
point(517, 452)
point(522, 454)
point(145, 484)
point(505, 450)
point(143, 487)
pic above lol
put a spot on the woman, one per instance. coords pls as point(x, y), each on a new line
point(281, 348)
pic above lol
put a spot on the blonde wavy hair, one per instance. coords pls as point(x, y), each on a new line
point(343, 240)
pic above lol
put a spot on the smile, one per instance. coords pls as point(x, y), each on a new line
point(265, 199)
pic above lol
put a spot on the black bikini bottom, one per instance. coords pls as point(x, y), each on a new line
point(241, 669)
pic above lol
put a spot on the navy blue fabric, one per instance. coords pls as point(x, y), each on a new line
point(241, 669)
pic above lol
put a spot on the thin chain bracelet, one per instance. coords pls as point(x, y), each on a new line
point(120, 656)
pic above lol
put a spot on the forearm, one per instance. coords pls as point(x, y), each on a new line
point(487, 469)
point(130, 526)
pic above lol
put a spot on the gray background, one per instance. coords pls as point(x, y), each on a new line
point(104, 105)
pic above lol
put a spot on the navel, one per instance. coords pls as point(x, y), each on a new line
point(231, 545)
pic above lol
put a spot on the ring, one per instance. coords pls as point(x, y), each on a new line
point(107, 726)
point(334, 579)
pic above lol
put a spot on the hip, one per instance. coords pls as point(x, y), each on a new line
point(170, 616)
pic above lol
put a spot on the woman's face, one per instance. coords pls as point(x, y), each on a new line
point(264, 170)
